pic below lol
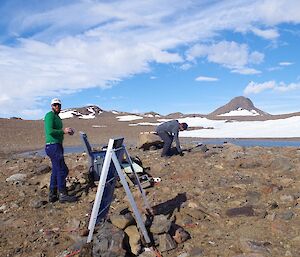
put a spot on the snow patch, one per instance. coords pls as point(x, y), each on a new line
point(144, 124)
point(129, 117)
point(149, 115)
point(99, 126)
point(281, 128)
point(240, 112)
point(67, 114)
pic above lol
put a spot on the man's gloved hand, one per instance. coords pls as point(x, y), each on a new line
point(181, 154)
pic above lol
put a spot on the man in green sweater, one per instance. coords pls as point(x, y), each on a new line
point(54, 133)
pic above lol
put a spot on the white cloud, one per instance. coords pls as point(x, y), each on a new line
point(52, 51)
point(267, 34)
point(274, 68)
point(208, 79)
point(246, 71)
point(117, 97)
point(153, 77)
point(186, 66)
point(274, 12)
point(256, 57)
point(282, 87)
point(285, 63)
point(255, 88)
point(229, 54)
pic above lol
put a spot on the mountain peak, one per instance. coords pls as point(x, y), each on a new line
point(238, 106)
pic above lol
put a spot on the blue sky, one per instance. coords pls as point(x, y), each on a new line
point(139, 56)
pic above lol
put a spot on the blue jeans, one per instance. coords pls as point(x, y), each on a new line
point(59, 168)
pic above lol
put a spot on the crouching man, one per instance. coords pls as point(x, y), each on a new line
point(54, 134)
point(168, 131)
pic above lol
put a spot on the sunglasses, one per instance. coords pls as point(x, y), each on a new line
point(56, 104)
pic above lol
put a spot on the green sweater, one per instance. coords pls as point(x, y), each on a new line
point(53, 128)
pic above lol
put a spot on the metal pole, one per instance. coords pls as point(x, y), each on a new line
point(138, 181)
point(100, 190)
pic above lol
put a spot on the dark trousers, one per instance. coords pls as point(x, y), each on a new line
point(168, 139)
point(59, 168)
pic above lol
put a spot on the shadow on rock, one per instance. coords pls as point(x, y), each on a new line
point(168, 207)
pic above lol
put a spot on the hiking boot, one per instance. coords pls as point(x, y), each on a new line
point(65, 198)
point(53, 195)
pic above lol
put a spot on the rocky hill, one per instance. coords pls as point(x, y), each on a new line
point(239, 106)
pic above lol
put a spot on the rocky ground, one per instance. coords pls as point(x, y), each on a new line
point(227, 201)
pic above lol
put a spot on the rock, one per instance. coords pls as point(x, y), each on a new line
point(253, 197)
point(187, 221)
point(19, 177)
point(3, 207)
point(272, 188)
point(273, 205)
point(183, 255)
point(37, 203)
point(73, 224)
point(271, 216)
point(196, 252)
point(122, 221)
point(44, 181)
point(181, 236)
point(148, 253)
point(161, 224)
point(195, 213)
point(63, 253)
point(288, 215)
point(108, 241)
point(199, 148)
point(43, 169)
point(22, 193)
point(281, 164)
point(79, 242)
point(147, 140)
point(219, 167)
point(286, 182)
point(14, 205)
point(240, 211)
point(86, 250)
point(286, 198)
point(134, 239)
point(249, 164)
point(193, 205)
point(296, 241)
point(250, 246)
point(166, 242)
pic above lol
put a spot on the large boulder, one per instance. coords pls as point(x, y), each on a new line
point(18, 177)
point(122, 221)
point(149, 140)
point(108, 241)
point(134, 239)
